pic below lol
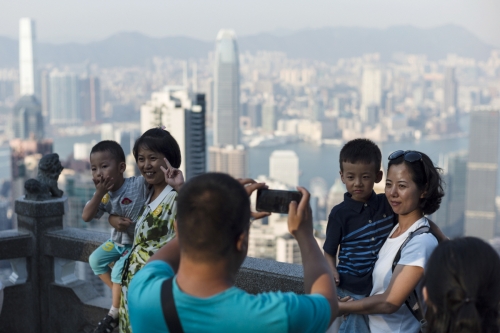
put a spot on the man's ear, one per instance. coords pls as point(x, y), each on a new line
point(379, 176)
point(341, 177)
point(122, 167)
point(242, 244)
point(175, 227)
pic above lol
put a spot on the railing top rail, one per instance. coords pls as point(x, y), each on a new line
point(15, 244)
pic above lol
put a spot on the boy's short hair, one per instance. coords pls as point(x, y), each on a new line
point(112, 147)
point(213, 210)
point(361, 151)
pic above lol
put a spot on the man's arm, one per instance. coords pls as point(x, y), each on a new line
point(318, 278)
point(169, 253)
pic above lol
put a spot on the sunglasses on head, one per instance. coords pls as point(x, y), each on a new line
point(409, 155)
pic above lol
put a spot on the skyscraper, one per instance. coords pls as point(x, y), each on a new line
point(371, 91)
point(450, 91)
point(226, 90)
point(90, 99)
point(27, 58)
point(27, 118)
point(64, 98)
point(482, 169)
point(284, 167)
point(229, 159)
point(183, 115)
point(269, 119)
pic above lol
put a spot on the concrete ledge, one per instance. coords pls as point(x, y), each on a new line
point(14, 244)
point(40, 209)
point(262, 275)
point(73, 243)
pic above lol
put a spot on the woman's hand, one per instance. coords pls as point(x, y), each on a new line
point(342, 311)
point(120, 223)
point(173, 176)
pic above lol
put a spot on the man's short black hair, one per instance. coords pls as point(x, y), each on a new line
point(160, 141)
point(361, 151)
point(112, 147)
point(213, 210)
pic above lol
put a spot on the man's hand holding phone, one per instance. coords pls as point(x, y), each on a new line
point(300, 215)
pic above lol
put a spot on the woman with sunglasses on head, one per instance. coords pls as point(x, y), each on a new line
point(413, 189)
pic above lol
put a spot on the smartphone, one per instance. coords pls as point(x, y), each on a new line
point(276, 201)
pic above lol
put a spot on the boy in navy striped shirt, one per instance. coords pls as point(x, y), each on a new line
point(358, 226)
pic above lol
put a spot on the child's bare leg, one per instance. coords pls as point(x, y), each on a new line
point(106, 278)
point(117, 293)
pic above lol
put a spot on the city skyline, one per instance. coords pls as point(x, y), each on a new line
point(272, 16)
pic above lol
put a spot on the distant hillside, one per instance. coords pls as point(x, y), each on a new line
point(327, 44)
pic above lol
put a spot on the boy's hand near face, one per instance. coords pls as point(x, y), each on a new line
point(103, 186)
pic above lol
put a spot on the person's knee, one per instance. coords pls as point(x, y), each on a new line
point(94, 260)
point(98, 262)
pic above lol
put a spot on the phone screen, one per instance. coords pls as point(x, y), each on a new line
point(276, 201)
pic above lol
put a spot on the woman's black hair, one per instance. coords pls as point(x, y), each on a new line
point(428, 179)
point(160, 141)
point(462, 278)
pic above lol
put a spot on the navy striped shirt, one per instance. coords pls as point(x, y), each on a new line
point(360, 229)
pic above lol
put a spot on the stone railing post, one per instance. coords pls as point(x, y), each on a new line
point(37, 218)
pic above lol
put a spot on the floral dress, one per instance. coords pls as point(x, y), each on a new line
point(155, 227)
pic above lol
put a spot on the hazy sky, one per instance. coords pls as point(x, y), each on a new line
point(90, 20)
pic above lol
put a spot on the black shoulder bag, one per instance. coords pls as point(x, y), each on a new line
point(168, 307)
point(412, 302)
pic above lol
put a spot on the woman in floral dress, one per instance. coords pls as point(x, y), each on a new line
point(158, 156)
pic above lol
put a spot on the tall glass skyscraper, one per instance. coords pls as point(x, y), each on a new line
point(226, 90)
point(27, 59)
point(482, 170)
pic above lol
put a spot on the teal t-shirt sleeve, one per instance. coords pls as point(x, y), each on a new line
point(307, 313)
point(144, 298)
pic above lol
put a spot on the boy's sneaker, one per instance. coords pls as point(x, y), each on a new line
point(107, 325)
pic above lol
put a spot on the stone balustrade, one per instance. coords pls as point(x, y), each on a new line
point(44, 295)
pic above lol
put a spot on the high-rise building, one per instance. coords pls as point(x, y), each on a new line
point(27, 58)
point(90, 99)
point(371, 91)
point(27, 118)
point(226, 90)
point(450, 92)
point(457, 190)
point(269, 119)
point(254, 112)
point(335, 195)
point(229, 159)
point(183, 115)
point(284, 167)
point(45, 93)
point(64, 98)
point(482, 169)
point(287, 249)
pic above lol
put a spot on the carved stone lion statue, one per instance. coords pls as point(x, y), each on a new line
point(45, 186)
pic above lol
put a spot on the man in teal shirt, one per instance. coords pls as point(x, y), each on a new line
point(213, 215)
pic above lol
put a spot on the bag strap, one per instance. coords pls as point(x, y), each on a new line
point(412, 302)
point(168, 307)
